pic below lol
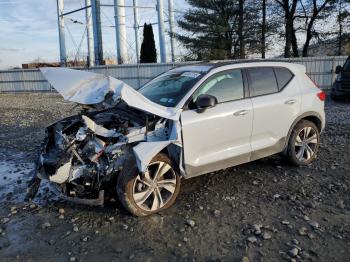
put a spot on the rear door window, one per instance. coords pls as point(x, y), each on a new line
point(263, 81)
point(283, 76)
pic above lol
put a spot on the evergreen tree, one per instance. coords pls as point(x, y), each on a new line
point(148, 46)
point(207, 29)
point(220, 29)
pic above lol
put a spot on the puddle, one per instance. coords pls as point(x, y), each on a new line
point(16, 170)
point(14, 176)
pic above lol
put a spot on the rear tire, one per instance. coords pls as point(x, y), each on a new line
point(303, 143)
point(152, 192)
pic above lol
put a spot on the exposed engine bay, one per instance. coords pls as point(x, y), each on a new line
point(83, 154)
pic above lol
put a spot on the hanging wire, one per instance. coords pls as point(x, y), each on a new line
point(81, 41)
point(71, 36)
point(74, 20)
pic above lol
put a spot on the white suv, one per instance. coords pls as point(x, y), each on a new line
point(186, 122)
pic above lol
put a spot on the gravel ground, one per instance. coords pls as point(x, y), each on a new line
point(265, 210)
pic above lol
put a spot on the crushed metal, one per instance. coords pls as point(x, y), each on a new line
point(83, 154)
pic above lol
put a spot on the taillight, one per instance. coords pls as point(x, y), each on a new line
point(321, 95)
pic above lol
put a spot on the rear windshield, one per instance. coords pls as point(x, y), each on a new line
point(169, 88)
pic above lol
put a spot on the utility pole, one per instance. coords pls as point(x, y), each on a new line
point(61, 36)
point(161, 30)
point(89, 35)
point(97, 32)
point(136, 29)
point(119, 17)
point(171, 27)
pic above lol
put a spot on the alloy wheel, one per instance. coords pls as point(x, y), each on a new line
point(153, 189)
point(306, 144)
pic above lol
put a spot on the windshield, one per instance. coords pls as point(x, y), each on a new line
point(169, 88)
point(346, 66)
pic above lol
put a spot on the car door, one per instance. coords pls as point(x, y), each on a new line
point(276, 100)
point(345, 76)
point(219, 137)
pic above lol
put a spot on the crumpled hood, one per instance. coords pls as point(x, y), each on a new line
point(89, 88)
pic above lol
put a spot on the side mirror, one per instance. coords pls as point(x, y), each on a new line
point(205, 101)
point(338, 69)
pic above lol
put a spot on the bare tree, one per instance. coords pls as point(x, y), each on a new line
point(311, 11)
point(241, 29)
point(263, 30)
point(342, 17)
point(289, 8)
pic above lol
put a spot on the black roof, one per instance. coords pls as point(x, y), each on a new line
point(215, 64)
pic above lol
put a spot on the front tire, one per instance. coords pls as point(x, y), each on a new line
point(151, 192)
point(303, 143)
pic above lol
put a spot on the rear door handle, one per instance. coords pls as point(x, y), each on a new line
point(290, 102)
point(240, 113)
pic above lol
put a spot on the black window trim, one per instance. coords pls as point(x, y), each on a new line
point(250, 86)
point(245, 87)
point(281, 88)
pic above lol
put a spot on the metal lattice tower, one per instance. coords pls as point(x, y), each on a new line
point(94, 32)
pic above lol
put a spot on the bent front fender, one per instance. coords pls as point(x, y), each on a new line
point(145, 151)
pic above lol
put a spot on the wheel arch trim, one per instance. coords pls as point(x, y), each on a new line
point(301, 117)
point(145, 151)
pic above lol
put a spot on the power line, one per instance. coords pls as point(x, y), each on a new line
point(71, 37)
point(75, 21)
point(81, 41)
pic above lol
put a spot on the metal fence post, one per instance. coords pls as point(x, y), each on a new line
point(332, 72)
point(138, 76)
point(23, 81)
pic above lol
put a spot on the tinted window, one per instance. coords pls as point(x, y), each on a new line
point(225, 86)
point(263, 81)
point(346, 66)
point(283, 76)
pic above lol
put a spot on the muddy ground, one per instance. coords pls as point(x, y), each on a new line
point(262, 211)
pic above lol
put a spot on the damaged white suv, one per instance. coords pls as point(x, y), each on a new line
point(186, 122)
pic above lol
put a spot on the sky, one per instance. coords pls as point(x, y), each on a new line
point(29, 30)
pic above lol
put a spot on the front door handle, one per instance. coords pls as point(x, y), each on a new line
point(240, 113)
point(290, 102)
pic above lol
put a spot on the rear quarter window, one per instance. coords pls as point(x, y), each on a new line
point(283, 76)
point(263, 81)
